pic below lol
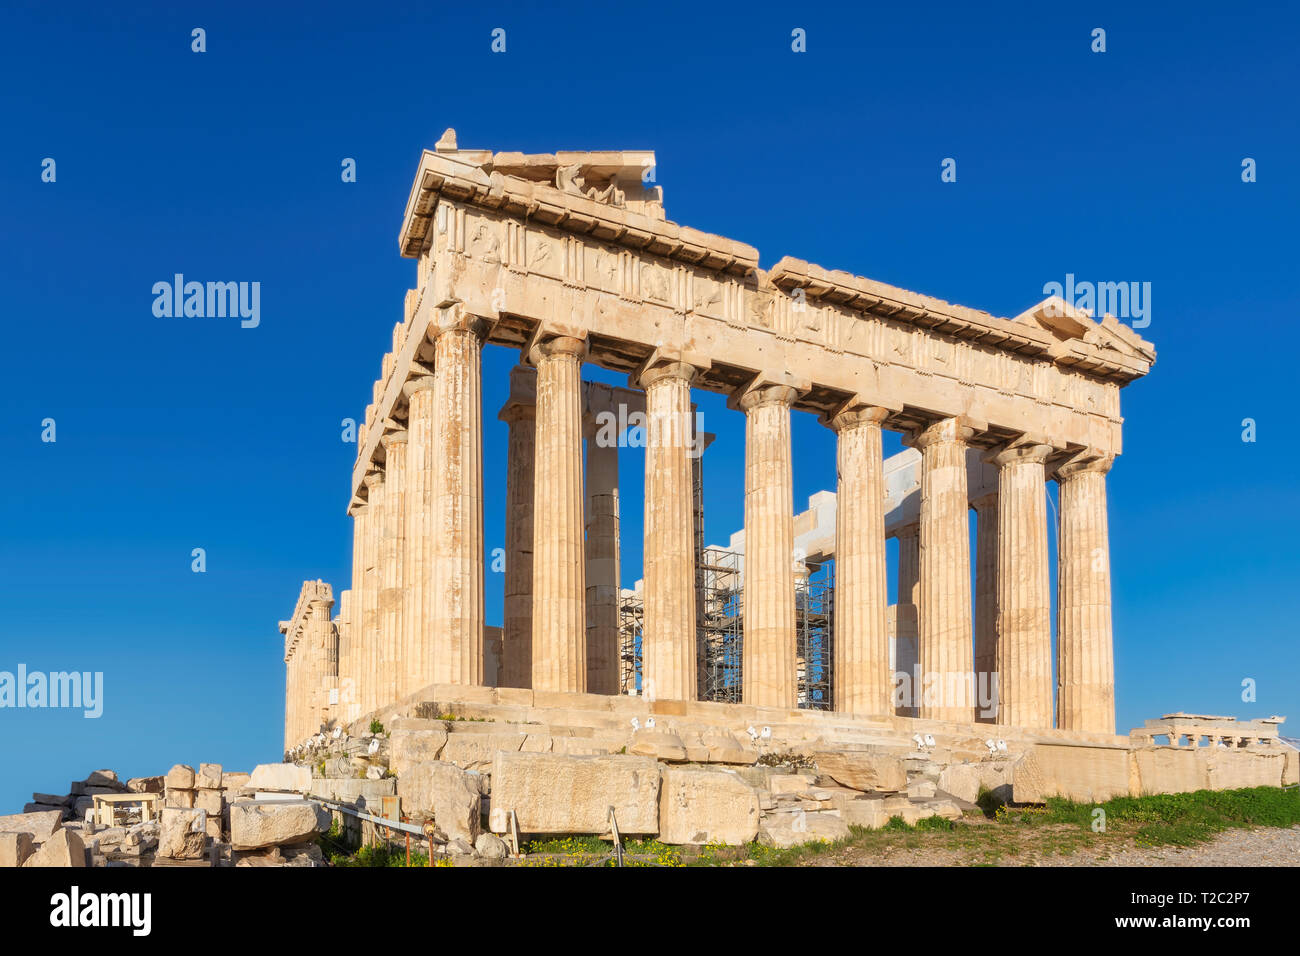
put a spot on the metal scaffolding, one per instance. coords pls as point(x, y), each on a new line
point(720, 604)
point(814, 598)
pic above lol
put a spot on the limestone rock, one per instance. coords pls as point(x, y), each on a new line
point(783, 830)
point(473, 751)
point(780, 784)
point(921, 789)
point(146, 784)
point(660, 744)
point(233, 781)
point(303, 854)
point(283, 777)
point(179, 799)
point(209, 801)
point(444, 793)
point(180, 777)
point(106, 779)
point(15, 848)
point(863, 770)
point(965, 780)
point(39, 825)
point(208, 777)
point(556, 793)
point(63, 848)
point(263, 823)
point(182, 833)
point(706, 806)
point(723, 747)
point(51, 801)
point(1081, 773)
point(410, 747)
point(491, 847)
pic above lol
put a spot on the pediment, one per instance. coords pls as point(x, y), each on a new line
point(1069, 324)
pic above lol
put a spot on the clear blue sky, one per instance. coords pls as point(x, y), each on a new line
point(174, 434)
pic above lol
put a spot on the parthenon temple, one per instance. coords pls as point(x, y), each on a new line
point(569, 258)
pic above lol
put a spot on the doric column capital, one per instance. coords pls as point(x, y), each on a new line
point(419, 383)
point(1084, 466)
point(1020, 451)
point(397, 436)
point(753, 397)
point(456, 319)
point(985, 502)
point(855, 416)
point(649, 375)
point(515, 411)
point(959, 429)
point(558, 345)
point(374, 479)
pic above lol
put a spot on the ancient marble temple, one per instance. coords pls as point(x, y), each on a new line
point(569, 259)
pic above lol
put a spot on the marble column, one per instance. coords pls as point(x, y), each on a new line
point(1024, 623)
point(368, 659)
point(517, 630)
point(350, 652)
point(290, 701)
point(863, 682)
point(458, 507)
point(1085, 655)
point(986, 606)
point(602, 571)
point(945, 598)
point(319, 636)
point(906, 633)
point(768, 652)
point(392, 570)
point(559, 578)
point(420, 609)
point(668, 634)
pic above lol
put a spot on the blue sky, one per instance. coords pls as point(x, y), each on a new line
point(174, 434)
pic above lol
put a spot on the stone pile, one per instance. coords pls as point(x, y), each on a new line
point(209, 817)
point(678, 784)
point(80, 796)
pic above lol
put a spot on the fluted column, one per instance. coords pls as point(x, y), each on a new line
point(420, 609)
point(290, 701)
point(906, 634)
point(458, 508)
point(1085, 665)
point(559, 578)
point(863, 683)
point(368, 664)
point(602, 572)
point(392, 567)
point(668, 634)
point(768, 651)
point(986, 605)
point(517, 630)
point(324, 653)
point(1024, 623)
point(350, 652)
point(945, 599)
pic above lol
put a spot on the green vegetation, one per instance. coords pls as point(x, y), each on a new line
point(1175, 819)
point(1019, 834)
point(376, 727)
point(477, 720)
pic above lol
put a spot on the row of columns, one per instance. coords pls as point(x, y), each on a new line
point(418, 554)
point(310, 669)
point(417, 578)
point(1012, 612)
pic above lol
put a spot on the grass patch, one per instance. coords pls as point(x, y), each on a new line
point(1182, 819)
point(1025, 835)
